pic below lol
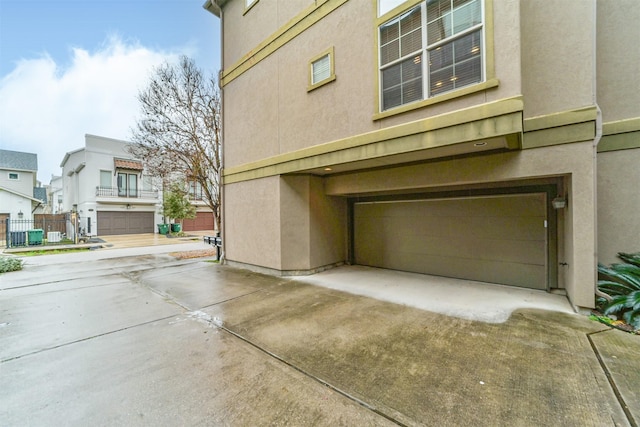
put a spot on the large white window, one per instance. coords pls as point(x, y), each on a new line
point(433, 48)
point(127, 185)
point(105, 179)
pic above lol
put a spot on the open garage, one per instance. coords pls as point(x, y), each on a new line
point(497, 239)
point(114, 222)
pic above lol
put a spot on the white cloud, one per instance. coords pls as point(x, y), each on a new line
point(47, 109)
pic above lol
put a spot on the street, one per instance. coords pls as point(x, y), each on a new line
point(149, 339)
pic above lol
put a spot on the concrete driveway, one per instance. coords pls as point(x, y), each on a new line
point(147, 339)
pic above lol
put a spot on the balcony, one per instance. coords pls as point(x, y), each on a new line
point(115, 195)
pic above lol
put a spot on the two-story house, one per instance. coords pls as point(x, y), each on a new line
point(461, 138)
point(20, 195)
point(109, 190)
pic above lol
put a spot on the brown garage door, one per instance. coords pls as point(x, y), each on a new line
point(496, 239)
point(110, 223)
point(202, 222)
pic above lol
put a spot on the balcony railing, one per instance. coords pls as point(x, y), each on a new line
point(126, 194)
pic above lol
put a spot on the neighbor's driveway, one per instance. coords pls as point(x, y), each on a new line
point(150, 340)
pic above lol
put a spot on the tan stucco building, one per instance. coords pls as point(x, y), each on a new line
point(492, 140)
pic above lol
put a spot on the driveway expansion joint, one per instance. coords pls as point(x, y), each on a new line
point(216, 323)
point(610, 379)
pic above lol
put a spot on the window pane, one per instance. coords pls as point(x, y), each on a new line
point(133, 185)
point(389, 32)
point(466, 16)
point(437, 8)
point(401, 37)
point(402, 83)
point(456, 64)
point(147, 183)
point(390, 52)
point(391, 97)
point(105, 179)
point(122, 184)
point(321, 69)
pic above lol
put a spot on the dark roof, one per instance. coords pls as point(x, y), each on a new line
point(18, 160)
point(40, 193)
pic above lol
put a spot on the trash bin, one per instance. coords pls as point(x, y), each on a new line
point(35, 236)
point(18, 238)
point(176, 228)
point(163, 228)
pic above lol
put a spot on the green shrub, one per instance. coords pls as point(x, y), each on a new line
point(622, 283)
point(10, 264)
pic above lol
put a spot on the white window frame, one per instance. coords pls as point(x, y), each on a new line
point(313, 84)
point(11, 174)
point(425, 51)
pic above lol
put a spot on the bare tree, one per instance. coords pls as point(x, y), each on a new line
point(179, 132)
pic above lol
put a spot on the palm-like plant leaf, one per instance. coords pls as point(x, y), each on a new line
point(614, 288)
point(617, 303)
point(626, 274)
point(633, 318)
point(633, 259)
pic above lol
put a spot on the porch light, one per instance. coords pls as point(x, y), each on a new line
point(559, 202)
point(20, 215)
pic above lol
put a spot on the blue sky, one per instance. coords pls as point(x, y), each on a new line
point(72, 67)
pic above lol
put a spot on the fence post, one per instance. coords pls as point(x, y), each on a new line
point(6, 231)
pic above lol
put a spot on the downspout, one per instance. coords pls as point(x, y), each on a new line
point(596, 141)
point(215, 8)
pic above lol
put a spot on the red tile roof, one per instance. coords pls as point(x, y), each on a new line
point(128, 164)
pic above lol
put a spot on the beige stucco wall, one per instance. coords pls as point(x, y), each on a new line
point(269, 109)
point(618, 203)
point(251, 231)
point(557, 76)
point(618, 78)
point(284, 224)
point(573, 161)
point(313, 226)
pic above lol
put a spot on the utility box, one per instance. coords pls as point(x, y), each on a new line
point(54, 237)
point(35, 236)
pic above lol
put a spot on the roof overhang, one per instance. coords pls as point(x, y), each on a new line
point(214, 6)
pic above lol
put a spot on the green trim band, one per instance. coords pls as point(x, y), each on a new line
point(620, 135)
point(296, 26)
point(497, 119)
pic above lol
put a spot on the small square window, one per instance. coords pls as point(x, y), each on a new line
point(13, 176)
point(321, 70)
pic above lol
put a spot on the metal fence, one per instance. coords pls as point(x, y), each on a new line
point(42, 230)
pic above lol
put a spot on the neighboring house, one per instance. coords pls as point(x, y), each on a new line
point(109, 190)
point(461, 138)
point(20, 196)
point(55, 194)
point(204, 219)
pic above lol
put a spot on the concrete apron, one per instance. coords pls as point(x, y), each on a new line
point(417, 367)
point(198, 343)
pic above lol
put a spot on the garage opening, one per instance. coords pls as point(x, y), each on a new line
point(113, 223)
point(501, 238)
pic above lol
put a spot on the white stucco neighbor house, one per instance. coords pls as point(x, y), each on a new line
point(110, 190)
